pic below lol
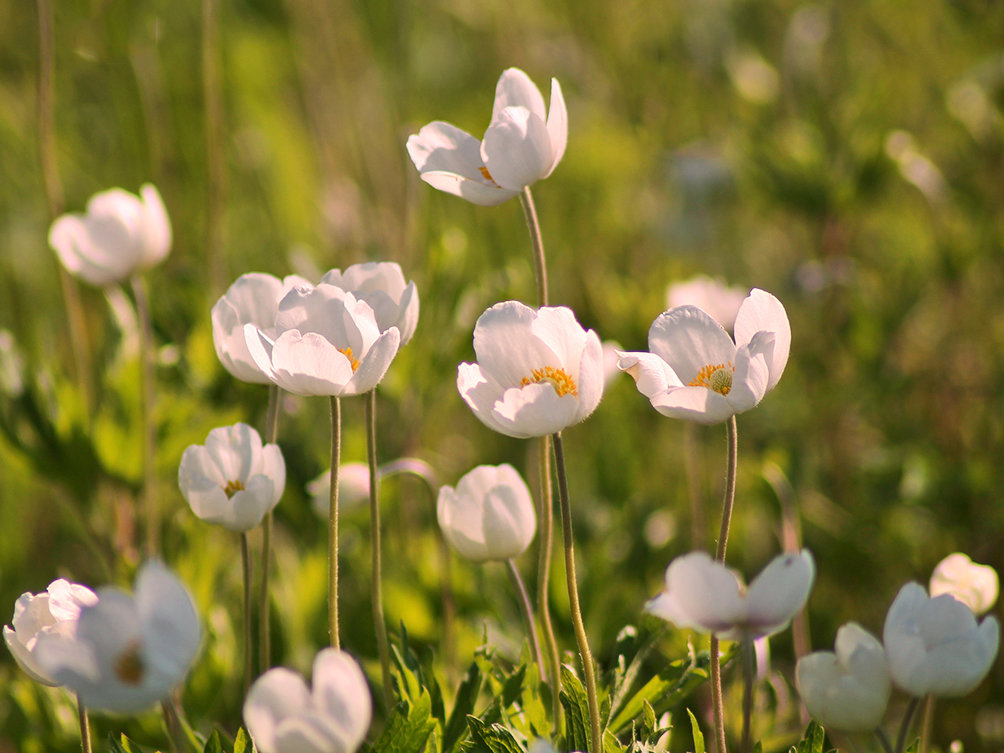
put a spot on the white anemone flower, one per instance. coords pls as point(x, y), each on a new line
point(128, 652)
point(709, 294)
point(696, 372)
point(934, 645)
point(848, 688)
point(284, 716)
point(538, 370)
point(382, 285)
point(253, 298)
point(54, 612)
point(119, 235)
point(705, 595)
point(325, 342)
point(489, 516)
point(524, 142)
point(353, 488)
point(974, 585)
point(232, 480)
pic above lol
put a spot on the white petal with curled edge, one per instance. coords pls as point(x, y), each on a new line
point(762, 312)
point(515, 89)
point(516, 149)
point(557, 126)
point(689, 340)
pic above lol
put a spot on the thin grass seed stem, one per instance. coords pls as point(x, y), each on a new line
point(588, 670)
point(336, 454)
point(147, 398)
point(748, 676)
point(377, 576)
point(264, 602)
point(527, 612)
point(85, 727)
point(246, 617)
point(539, 262)
point(546, 540)
point(904, 728)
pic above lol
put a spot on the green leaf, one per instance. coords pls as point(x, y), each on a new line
point(242, 743)
point(467, 696)
point(513, 686)
point(495, 737)
point(122, 744)
point(408, 728)
point(214, 744)
point(576, 704)
point(664, 691)
point(695, 729)
point(812, 740)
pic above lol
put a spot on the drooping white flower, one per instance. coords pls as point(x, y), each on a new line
point(489, 516)
point(711, 295)
point(974, 585)
point(538, 370)
point(128, 652)
point(284, 716)
point(120, 234)
point(524, 142)
point(253, 298)
point(382, 285)
point(848, 688)
point(934, 644)
point(325, 342)
point(232, 480)
point(695, 371)
point(705, 595)
point(54, 612)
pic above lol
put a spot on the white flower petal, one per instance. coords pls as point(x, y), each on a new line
point(515, 89)
point(557, 126)
point(689, 340)
point(693, 404)
point(517, 148)
point(779, 592)
point(534, 411)
point(762, 312)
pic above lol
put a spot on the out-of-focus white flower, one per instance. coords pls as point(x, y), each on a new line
point(695, 371)
point(935, 646)
point(705, 595)
point(489, 516)
point(284, 716)
point(120, 234)
point(252, 299)
point(711, 295)
point(848, 688)
point(128, 651)
point(353, 488)
point(325, 342)
point(54, 612)
point(974, 585)
point(523, 143)
point(611, 357)
point(232, 480)
point(538, 371)
point(382, 285)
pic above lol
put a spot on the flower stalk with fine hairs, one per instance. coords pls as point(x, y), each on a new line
point(336, 452)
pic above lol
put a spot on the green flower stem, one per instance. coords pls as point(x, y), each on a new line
point(85, 727)
point(588, 670)
point(246, 572)
point(264, 601)
point(377, 593)
point(545, 516)
point(527, 611)
point(539, 263)
point(925, 724)
point(336, 454)
point(904, 728)
point(216, 153)
point(883, 740)
point(748, 661)
point(147, 397)
point(717, 702)
point(179, 732)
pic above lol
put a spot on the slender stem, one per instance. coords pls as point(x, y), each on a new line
point(246, 572)
point(146, 411)
point(527, 611)
point(904, 728)
point(748, 660)
point(215, 143)
point(883, 739)
point(264, 600)
point(336, 453)
point(545, 516)
point(539, 262)
point(588, 670)
point(378, 619)
point(85, 727)
point(925, 724)
point(175, 727)
point(717, 703)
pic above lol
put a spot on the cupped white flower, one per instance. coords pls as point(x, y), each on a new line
point(232, 480)
point(524, 142)
point(120, 234)
point(695, 371)
point(974, 585)
point(128, 652)
point(711, 295)
point(54, 612)
point(705, 595)
point(382, 285)
point(489, 516)
point(538, 370)
point(353, 488)
point(284, 716)
point(934, 644)
point(325, 342)
point(253, 298)
point(848, 688)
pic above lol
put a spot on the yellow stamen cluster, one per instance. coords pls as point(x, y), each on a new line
point(717, 377)
point(558, 378)
point(129, 665)
point(233, 487)
point(353, 362)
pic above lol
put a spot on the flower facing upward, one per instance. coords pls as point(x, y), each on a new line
point(120, 234)
point(54, 612)
point(538, 371)
point(325, 342)
point(934, 644)
point(383, 287)
point(523, 143)
point(252, 299)
point(232, 480)
point(974, 585)
point(848, 688)
point(705, 595)
point(128, 652)
point(284, 716)
point(489, 516)
point(695, 371)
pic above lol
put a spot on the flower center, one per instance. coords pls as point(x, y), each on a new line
point(558, 378)
point(129, 666)
point(233, 487)
point(353, 362)
point(488, 176)
point(716, 377)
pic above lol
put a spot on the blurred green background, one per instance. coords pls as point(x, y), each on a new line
point(846, 156)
